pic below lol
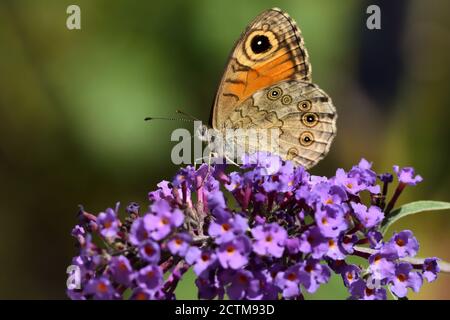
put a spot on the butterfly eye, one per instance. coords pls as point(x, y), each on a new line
point(304, 105)
point(286, 99)
point(306, 139)
point(202, 132)
point(310, 119)
point(260, 44)
point(274, 93)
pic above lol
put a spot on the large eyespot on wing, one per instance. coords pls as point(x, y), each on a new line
point(270, 50)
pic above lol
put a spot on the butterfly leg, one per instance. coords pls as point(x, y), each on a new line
point(229, 160)
point(199, 161)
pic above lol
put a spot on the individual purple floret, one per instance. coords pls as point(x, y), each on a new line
point(361, 290)
point(121, 270)
point(269, 240)
point(314, 274)
point(350, 274)
point(405, 278)
point(100, 289)
point(382, 264)
point(226, 227)
point(405, 244)
point(289, 281)
point(163, 220)
point(150, 277)
point(430, 269)
point(200, 259)
point(244, 285)
point(108, 223)
point(149, 251)
point(179, 244)
point(369, 217)
point(234, 254)
point(407, 175)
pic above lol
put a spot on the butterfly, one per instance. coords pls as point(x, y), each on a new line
point(267, 85)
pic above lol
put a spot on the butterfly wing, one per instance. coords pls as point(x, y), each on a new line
point(301, 115)
point(271, 49)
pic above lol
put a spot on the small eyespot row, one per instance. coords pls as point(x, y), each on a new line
point(286, 99)
point(306, 138)
point(310, 119)
point(292, 153)
point(304, 105)
point(274, 93)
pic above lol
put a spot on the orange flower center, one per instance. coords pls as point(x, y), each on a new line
point(122, 266)
point(377, 259)
point(205, 257)
point(401, 277)
point(102, 287)
point(141, 296)
point(292, 276)
point(242, 279)
point(230, 249)
point(149, 250)
point(369, 292)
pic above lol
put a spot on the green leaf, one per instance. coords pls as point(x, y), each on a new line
point(412, 208)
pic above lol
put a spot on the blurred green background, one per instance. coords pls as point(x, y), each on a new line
point(72, 105)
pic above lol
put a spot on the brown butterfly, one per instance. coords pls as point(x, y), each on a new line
point(267, 85)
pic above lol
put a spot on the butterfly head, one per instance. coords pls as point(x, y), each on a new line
point(201, 132)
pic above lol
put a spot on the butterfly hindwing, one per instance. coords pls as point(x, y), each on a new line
point(302, 115)
point(270, 50)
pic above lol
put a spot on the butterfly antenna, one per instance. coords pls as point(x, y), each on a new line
point(187, 115)
point(169, 119)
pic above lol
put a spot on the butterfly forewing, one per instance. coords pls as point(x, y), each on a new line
point(270, 50)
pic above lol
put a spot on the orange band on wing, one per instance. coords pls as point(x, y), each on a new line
point(261, 76)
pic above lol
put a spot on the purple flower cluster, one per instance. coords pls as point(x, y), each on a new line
point(268, 231)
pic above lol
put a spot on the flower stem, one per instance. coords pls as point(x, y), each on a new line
point(175, 277)
point(391, 203)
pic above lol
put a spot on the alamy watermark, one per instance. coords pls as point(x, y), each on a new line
point(73, 21)
point(74, 277)
point(373, 22)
